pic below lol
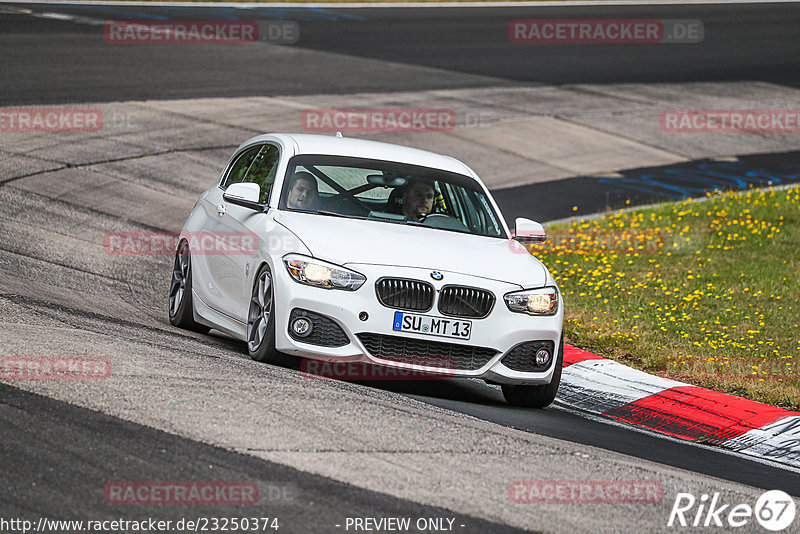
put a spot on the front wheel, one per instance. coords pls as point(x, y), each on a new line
point(537, 396)
point(261, 320)
point(181, 310)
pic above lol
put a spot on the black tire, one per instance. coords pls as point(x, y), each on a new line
point(537, 396)
point(181, 309)
point(261, 320)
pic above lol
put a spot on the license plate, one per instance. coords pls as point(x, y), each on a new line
point(433, 326)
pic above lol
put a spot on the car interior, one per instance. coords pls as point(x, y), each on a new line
point(365, 194)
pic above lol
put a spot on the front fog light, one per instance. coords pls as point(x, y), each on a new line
point(542, 357)
point(302, 327)
point(542, 301)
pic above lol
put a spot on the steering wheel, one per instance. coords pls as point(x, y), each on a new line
point(444, 222)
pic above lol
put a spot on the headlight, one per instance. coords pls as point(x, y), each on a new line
point(322, 274)
point(543, 301)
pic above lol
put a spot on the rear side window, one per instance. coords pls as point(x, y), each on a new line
point(262, 170)
point(240, 166)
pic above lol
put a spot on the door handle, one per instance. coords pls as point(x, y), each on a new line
point(221, 209)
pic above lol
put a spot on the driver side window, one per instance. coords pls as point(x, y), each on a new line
point(263, 169)
point(240, 167)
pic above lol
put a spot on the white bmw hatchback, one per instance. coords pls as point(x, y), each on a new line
point(348, 250)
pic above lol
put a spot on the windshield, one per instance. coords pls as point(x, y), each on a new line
point(389, 192)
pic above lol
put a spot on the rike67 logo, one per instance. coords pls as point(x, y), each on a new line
point(774, 510)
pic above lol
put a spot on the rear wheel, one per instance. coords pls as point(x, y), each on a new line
point(537, 396)
point(181, 309)
point(261, 320)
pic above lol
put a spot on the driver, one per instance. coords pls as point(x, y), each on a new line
point(418, 199)
point(303, 192)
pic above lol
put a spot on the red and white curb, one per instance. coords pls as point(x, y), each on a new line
point(601, 386)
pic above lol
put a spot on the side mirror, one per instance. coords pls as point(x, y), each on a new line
point(527, 232)
point(244, 195)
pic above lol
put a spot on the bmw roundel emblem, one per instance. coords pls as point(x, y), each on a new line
point(436, 275)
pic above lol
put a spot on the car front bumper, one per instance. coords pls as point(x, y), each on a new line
point(499, 333)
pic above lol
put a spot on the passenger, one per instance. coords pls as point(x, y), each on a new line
point(418, 199)
point(303, 192)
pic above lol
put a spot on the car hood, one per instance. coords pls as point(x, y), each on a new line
point(351, 241)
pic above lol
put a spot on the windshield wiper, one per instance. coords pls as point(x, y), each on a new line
point(384, 216)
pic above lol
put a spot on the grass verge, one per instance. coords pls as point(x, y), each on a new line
point(704, 291)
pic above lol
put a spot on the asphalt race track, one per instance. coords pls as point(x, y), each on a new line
point(184, 406)
point(648, 185)
point(80, 445)
point(456, 48)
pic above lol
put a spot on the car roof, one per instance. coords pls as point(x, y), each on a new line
point(362, 148)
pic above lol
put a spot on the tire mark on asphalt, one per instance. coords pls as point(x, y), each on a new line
point(71, 317)
point(83, 209)
point(107, 160)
